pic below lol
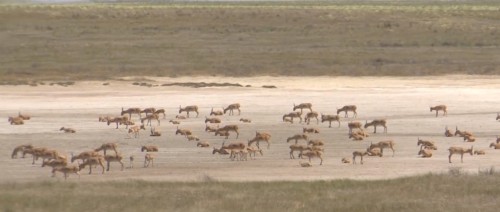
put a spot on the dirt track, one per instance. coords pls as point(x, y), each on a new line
point(404, 102)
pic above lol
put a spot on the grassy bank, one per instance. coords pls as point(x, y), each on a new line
point(102, 41)
point(420, 193)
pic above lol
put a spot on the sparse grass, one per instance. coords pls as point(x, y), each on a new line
point(420, 193)
point(73, 42)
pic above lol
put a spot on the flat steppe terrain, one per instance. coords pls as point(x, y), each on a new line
point(404, 102)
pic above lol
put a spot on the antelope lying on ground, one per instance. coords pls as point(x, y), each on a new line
point(375, 123)
point(479, 152)
point(498, 116)
point(438, 108)
point(184, 132)
point(192, 138)
point(288, 119)
point(345, 160)
point(302, 106)
point(426, 153)
point(297, 137)
point(348, 108)
point(374, 152)
point(261, 136)
point(149, 148)
point(305, 164)
point(187, 109)
point(245, 120)
point(105, 118)
point(174, 121)
point(293, 115)
point(24, 117)
point(16, 121)
point(228, 128)
point(20, 148)
point(210, 128)
point(180, 117)
point(461, 151)
point(462, 134)
point(217, 112)
point(155, 132)
point(495, 145)
point(382, 145)
point(107, 146)
point(131, 111)
point(358, 154)
point(212, 120)
point(309, 130)
point(310, 115)
point(358, 135)
point(426, 144)
point(221, 151)
point(469, 138)
point(448, 133)
point(67, 130)
point(330, 118)
point(203, 144)
point(231, 107)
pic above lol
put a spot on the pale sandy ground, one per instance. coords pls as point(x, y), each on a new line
point(472, 102)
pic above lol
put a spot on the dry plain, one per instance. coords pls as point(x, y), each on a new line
point(404, 102)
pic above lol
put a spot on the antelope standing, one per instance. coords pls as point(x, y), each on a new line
point(130, 111)
point(228, 128)
point(293, 115)
point(310, 115)
point(330, 118)
point(382, 145)
point(354, 125)
point(260, 136)
point(346, 109)
point(461, 151)
point(187, 109)
point(302, 106)
point(231, 107)
point(375, 123)
point(438, 108)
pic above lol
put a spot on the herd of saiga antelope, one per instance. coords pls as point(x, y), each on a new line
point(236, 150)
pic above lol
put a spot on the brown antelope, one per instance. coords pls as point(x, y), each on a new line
point(374, 152)
point(150, 117)
point(67, 130)
point(316, 142)
point(92, 161)
point(221, 151)
point(118, 120)
point(84, 156)
point(187, 109)
point(203, 144)
point(231, 107)
point(149, 148)
point(310, 115)
point(426, 144)
point(345, 160)
point(462, 134)
point(469, 138)
point(354, 125)
point(382, 145)
point(448, 133)
point(107, 146)
point(360, 133)
point(131, 111)
point(314, 154)
point(246, 120)
point(426, 153)
point(302, 106)
point(261, 136)
point(113, 158)
point(162, 111)
point(148, 159)
point(438, 108)
point(299, 148)
point(16, 121)
point(293, 115)
point(24, 117)
point(461, 151)
point(297, 137)
point(184, 132)
point(228, 128)
point(212, 120)
point(192, 138)
point(174, 121)
point(55, 163)
point(288, 119)
point(356, 137)
point(104, 118)
point(66, 170)
point(309, 130)
point(498, 116)
point(155, 132)
point(253, 151)
point(346, 109)
point(358, 154)
point(330, 118)
point(495, 145)
point(479, 152)
point(45, 154)
point(148, 110)
point(136, 129)
point(20, 148)
point(234, 148)
point(222, 133)
point(210, 128)
point(375, 123)
point(180, 117)
point(217, 112)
